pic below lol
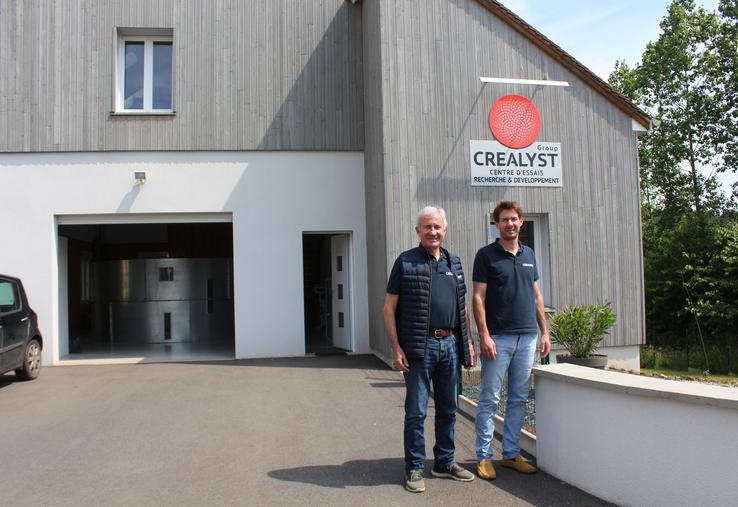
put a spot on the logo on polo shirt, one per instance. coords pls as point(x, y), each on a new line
point(527, 265)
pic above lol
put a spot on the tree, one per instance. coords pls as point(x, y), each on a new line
point(688, 82)
point(683, 83)
point(725, 81)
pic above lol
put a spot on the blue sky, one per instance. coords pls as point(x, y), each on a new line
point(598, 33)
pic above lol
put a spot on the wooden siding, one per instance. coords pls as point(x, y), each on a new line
point(268, 75)
point(374, 177)
point(433, 53)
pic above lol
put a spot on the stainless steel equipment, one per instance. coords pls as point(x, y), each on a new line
point(162, 300)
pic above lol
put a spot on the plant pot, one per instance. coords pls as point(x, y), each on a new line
point(598, 361)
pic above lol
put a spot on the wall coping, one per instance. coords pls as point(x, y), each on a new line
point(626, 383)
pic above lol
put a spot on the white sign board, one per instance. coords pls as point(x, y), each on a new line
point(493, 164)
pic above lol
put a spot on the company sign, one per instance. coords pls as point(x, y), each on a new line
point(515, 159)
point(493, 164)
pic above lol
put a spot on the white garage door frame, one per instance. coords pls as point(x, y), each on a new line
point(144, 218)
point(62, 346)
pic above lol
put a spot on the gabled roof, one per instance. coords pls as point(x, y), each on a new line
point(565, 59)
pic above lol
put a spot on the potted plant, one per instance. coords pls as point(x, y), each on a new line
point(580, 329)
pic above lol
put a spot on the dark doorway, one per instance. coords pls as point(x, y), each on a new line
point(326, 294)
point(316, 262)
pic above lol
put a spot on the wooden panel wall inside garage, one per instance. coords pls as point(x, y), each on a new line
point(267, 74)
point(434, 52)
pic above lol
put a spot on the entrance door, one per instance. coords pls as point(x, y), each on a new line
point(341, 293)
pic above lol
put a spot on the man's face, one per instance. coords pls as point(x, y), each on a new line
point(431, 231)
point(509, 224)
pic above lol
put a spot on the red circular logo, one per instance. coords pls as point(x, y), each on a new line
point(514, 121)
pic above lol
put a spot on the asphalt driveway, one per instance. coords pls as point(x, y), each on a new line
point(307, 431)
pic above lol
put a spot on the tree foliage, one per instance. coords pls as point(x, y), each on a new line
point(687, 81)
point(691, 274)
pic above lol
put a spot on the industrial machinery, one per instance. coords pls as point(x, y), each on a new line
point(162, 300)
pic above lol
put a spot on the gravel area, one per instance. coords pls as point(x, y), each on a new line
point(471, 387)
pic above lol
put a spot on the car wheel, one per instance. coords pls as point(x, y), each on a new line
point(31, 361)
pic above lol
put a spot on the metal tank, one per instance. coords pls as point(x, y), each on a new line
point(162, 301)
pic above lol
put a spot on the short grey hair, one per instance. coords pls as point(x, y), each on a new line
point(431, 211)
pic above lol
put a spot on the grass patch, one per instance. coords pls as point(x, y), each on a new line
point(719, 360)
point(728, 380)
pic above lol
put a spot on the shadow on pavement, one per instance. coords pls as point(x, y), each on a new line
point(391, 384)
point(7, 379)
point(352, 473)
point(538, 489)
point(360, 362)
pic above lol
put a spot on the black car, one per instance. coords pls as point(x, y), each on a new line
point(20, 339)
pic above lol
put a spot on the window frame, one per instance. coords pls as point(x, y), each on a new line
point(17, 296)
point(148, 36)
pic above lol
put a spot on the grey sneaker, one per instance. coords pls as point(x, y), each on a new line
point(414, 482)
point(453, 471)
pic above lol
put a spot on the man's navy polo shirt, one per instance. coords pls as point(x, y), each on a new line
point(510, 301)
point(443, 309)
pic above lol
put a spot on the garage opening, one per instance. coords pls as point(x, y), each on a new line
point(158, 291)
point(327, 293)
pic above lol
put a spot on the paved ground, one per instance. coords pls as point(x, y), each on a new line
point(307, 431)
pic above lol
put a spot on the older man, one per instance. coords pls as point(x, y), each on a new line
point(425, 315)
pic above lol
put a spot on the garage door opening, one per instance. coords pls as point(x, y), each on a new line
point(157, 291)
point(327, 293)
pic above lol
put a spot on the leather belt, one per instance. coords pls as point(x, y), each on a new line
point(441, 333)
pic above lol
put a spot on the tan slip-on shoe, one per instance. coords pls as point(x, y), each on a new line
point(519, 465)
point(485, 470)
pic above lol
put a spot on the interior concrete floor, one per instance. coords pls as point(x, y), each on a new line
point(151, 352)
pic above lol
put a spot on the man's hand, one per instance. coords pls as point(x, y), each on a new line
point(398, 355)
point(545, 344)
point(487, 347)
point(472, 355)
point(400, 360)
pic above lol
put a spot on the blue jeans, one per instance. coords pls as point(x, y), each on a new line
point(439, 367)
point(515, 355)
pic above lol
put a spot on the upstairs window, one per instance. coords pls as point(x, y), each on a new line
point(144, 70)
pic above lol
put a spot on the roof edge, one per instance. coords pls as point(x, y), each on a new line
point(564, 58)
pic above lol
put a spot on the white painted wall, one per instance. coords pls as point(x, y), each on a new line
point(636, 440)
point(272, 196)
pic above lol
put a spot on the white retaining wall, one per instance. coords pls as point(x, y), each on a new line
point(637, 440)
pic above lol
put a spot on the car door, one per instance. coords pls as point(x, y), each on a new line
point(14, 324)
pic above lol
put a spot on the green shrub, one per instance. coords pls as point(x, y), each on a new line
point(581, 328)
point(648, 357)
point(733, 359)
point(671, 359)
point(718, 359)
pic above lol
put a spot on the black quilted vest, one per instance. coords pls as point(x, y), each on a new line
point(413, 308)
